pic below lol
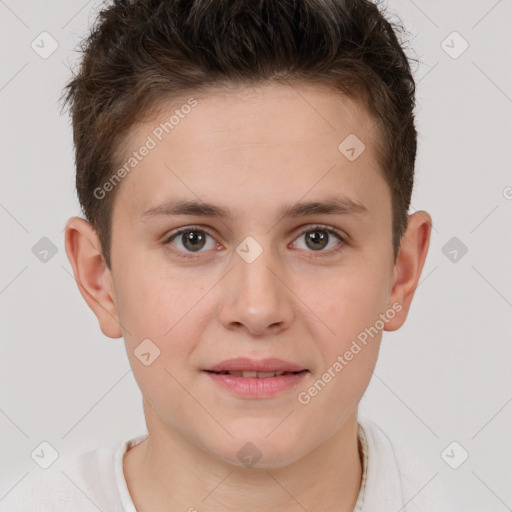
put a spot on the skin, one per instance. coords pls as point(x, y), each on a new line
point(251, 151)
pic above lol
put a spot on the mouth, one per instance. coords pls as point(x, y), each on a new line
point(254, 379)
point(256, 375)
point(270, 365)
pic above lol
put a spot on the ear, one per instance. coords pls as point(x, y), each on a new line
point(408, 266)
point(92, 276)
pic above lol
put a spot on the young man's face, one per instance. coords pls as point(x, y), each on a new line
point(256, 284)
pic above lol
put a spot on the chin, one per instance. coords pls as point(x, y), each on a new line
point(259, 452)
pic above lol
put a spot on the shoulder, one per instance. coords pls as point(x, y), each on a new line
point(397, 479)
point(85, 482)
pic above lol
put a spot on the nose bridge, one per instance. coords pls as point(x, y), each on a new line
point(256, 298)
point(255, 278)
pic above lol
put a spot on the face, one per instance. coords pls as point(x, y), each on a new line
point(297, 267)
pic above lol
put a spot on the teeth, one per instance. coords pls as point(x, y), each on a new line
point(259, 375)
point(264, 375)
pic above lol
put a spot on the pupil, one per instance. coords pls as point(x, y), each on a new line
point(316, 237)
point(194, 240)
point(192, 237)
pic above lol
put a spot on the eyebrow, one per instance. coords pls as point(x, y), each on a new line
point(329, 206)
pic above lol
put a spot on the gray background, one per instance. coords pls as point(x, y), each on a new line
point(444, 377)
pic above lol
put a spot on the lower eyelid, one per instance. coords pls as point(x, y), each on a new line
point(329, 230)
point(341, 240)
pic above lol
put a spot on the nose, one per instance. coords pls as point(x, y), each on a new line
point(256, 297)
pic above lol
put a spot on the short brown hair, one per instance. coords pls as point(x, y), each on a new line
point(141, 53)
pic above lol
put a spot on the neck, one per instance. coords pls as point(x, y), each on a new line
point(166, 472)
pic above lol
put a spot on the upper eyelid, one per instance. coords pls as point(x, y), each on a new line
point(302, 230)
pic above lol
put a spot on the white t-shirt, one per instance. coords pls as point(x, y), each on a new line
point(392, 481)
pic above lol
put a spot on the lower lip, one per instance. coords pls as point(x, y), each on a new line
point(252, 387)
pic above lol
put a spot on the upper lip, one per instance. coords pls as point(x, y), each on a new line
point(255, 365)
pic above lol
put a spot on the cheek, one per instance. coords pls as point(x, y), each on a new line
point(348, 302)
point(348, 307)
point(151, 299)
point(164, 307)
point(349, 349)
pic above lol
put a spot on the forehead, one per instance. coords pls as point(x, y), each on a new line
point(273, 113)
point(249, 144)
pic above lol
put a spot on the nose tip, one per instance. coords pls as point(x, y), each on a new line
point(260, 329)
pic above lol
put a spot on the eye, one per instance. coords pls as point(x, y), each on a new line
point(319, 237)
point(191, 239)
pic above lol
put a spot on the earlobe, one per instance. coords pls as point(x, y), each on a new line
point(92, 276)
point(409, 265)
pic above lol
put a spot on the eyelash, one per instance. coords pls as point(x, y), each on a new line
point(187, 229)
